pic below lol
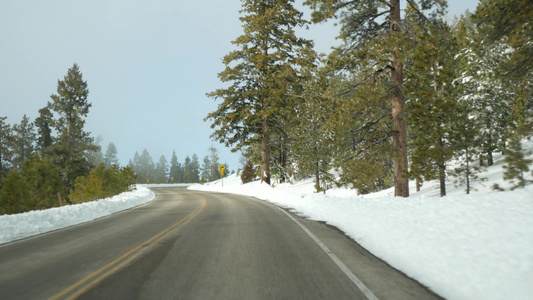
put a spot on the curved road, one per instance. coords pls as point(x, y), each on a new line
point(194, 245)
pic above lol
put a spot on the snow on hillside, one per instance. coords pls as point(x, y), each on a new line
point(476, 246)
point(18, 226)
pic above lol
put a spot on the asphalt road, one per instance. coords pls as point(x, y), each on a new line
point(194, 245)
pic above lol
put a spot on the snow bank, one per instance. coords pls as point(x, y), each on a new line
point(18, 226)
point(476, 246)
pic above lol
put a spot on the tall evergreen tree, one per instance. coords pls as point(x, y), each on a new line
point(263, 73)
point(73, 143)
point(44, 130)
point(187, 172)
point(6, 149)
point(144, 167)
point(23, 142)
point(110, 156)
point(432, 102)
point(312, 142)
point(176, 169)
point(195, 169)
point(482, 90)
point(161, 170)
point(214, 164)
point(205, 170)
point(370, 29)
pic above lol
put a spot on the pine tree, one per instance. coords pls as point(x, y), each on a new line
point(195, 169)
point(161, 170)
point(205, 170)
point(23, 142)
point(263, 73)
point(508, 21)
point(110, 156)
point(72, 145)
point(516, 163)
point(44, 130)
point(187, 172)
point(144, 167)
point(483, 91)
point(367, 36)
point(312, 142)
point(34, 186)
point(6, 150)
point(214, 164)
point(432, 102)
point(176, 170)
point(44, 181)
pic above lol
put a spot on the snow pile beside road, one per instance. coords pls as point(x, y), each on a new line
point(476, 246)
point(18, 226)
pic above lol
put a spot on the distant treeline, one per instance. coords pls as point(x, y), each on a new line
point(190, 171)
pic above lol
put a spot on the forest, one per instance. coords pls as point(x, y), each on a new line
point(407, 95)
point(53, 161)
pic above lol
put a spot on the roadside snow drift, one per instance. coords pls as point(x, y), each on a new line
point(477, 246)
point(18, 226)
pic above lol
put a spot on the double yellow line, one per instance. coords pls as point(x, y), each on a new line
point(81, 287)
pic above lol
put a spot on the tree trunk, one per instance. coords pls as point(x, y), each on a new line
point(442, 179)
point(442, 169)
point(265, 153)
point(317, 177)
point(490, 160)
point(401, 182)
point(418, 185)
point(467, 172)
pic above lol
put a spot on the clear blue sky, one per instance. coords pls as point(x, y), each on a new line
point(148, 65)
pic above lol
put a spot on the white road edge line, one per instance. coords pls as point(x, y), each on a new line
point(362, 287)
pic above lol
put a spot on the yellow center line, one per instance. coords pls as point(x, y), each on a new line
point(125, 258)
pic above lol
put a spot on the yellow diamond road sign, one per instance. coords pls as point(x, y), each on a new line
point(222, 168)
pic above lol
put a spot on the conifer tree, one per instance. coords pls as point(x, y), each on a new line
point(6, 150)
point(161, 170)
point(34, 186)
point(508, 21)
point(72, 145)
point(44, 131)
point(370, 29)
point(482, 90)
point(110, 156)
point(195, 169)
point(205, 170)
point(144, 167)
point(187, 171)
point(516, 163)
point(23, 142)
point(263, 73)
point(312, 143)
point(176, 170)
point(432, 104)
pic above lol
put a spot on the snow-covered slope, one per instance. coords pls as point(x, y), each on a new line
point(476, 246)
point(18, 226)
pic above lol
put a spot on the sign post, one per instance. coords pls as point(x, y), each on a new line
point(222, 168)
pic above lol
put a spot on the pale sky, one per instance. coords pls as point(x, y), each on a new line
point(148, 65)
